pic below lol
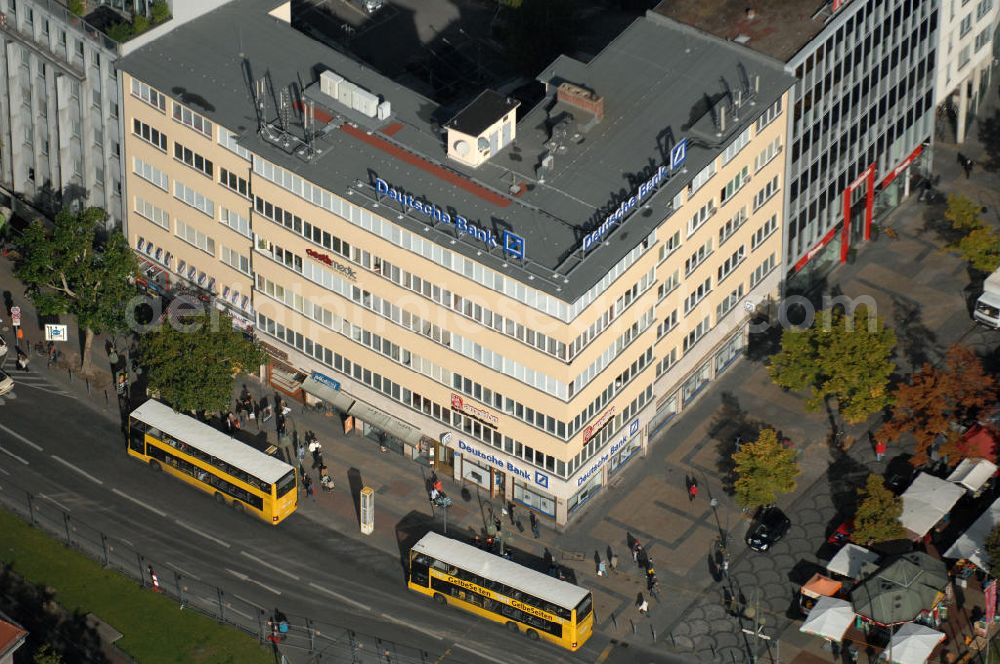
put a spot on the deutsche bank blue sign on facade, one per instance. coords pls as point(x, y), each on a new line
point(678, 154)
point(510, 243)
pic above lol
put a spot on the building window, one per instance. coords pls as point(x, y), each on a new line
point(965, 27)
point(143, 91)
point(700, 217)
point(982, 39)
point(731, 263)
point(736, 146)
point(695, 335)
point(235, 260)
point(191, 119)
point(701, 179)
point(769, 115)
point(669, 246)
point(761, 271)
point(193, 159)
point(193, 236)
point(734, 185)
point(156, 215)
point(764, 232)
point(697, 295)
point(731, 226)
point(150, 173)
point(668, 323)
point(963, 56)
point(698, 257)
point(149, 134)
point(765, 194)
point(728, 303)
point(983, 8)
point(234, 182)
point(669, 285)
point(227, 139)
point(194, 199)
point(235, 220)
point(767, 154)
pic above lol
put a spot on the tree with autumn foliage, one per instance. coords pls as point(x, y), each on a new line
point(877, 518)
point(937, 397)
point(846, 356)
point(764, 468)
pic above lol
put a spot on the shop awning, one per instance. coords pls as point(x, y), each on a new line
point(322, 391)
point(830, 618)
point(971, 544)
point(926, 502)
point(851, 560)
point(914, 644)
point(821, 586)
point(388, 423)
point(973, 473)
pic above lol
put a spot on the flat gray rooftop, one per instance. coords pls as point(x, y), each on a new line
point(657, 80)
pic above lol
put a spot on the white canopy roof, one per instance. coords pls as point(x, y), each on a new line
point(973, 473)
point(926, 501)
point(829, 618)
point(969, 545)
point(913, 644)
point(850, 561)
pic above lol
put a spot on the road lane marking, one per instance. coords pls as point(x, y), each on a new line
point(12, 455)
point(55, 502)
point(235, 610)
point(138, 502)
point(243, 577)
point(203, 534)
point(184, 571)
point(477, 653)
point(272, 566)
point(21, 438)
point(45, 389)
point(80, 471)
point(4, 471)
point(415, 628)
point(244, 599)
point(604, 654)
point(340, 597)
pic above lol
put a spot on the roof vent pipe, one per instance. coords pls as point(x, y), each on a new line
point(751, 14)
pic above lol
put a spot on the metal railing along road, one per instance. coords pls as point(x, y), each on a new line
point(306, 640)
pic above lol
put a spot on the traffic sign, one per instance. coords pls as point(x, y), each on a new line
point(15, 315)
point(55, 332)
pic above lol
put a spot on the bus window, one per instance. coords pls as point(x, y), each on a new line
point(285, 484)
point(584, 607)
point(137, 440)
point(419, 572)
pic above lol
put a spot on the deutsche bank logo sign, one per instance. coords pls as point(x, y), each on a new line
point(541, 479)
point(510, 243)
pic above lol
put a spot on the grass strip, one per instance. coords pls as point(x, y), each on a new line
point(155, 630)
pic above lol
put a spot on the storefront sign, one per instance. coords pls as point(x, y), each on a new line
point(902, 167)
point(339, 267)
point(274, 352)
point(604, 420)
point(615, 447)
point(510, 243)
point(541, 479)
point(326, 380)
point(475, 412)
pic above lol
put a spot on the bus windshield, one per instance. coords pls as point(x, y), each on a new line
point(286, 483)
point(584, 607)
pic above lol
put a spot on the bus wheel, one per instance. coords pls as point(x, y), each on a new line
point(219, 498)
point(532, 635)
point(512, 627)
point(440, 599)
point(155, 465)
point(237, 506)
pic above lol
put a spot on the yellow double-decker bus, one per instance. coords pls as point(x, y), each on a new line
point(503, 591)
point(194, 452)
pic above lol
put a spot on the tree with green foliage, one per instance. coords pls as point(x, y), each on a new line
point(77, 7)
point(962, 213)
point(842, 356)
point(877, 518)
point(536, 32)
point(66, 270)
point(981, 248)
point(192, 362)
point(764, 468)
point(992, 547)
point(160, 11)
point(47, 655)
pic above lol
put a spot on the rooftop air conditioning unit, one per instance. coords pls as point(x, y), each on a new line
point(329, 83)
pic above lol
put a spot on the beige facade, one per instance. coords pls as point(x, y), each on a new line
point(418, 350)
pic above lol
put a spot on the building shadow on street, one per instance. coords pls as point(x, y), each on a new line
point(728, 423)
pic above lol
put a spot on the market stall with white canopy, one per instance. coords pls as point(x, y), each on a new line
point(970, 544)
point(829, 618)
point(913, 644)
point(926, 502)
point(851, 561)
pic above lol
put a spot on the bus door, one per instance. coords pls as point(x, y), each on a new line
point(137, 438)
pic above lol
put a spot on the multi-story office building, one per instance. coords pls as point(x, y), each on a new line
point(862, 112)
point(965, 58)
point(61, 129)
point(523, 297)
point(59, 106)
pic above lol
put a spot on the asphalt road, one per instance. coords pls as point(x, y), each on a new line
point(72, 457)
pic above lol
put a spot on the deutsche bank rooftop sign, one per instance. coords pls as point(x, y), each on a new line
point(678, 154)
point(510, 243)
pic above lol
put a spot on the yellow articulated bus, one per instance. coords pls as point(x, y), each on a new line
point(208, 459)
point(502, 591)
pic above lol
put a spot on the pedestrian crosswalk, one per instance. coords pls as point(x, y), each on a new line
point(32, 379)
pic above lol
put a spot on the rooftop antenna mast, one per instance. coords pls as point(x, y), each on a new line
point(284, 109)
point(254, 88)
point(748, 90)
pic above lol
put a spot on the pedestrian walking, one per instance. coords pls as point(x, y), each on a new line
point(602, 569)
point(316, 450)
point(597, 563)
point(879, 449)
point(692, 489)
point(307, 484)
point(641, 604)
point(510, 513)
point(498, 523)
point(968, 167)
point(644, 559)
point(534, 524)
point(614, 562)
point(635, 552)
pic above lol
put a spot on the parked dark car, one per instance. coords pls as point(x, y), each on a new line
point(899, 474)
point(769, 525)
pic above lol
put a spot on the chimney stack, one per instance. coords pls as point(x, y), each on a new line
point(580, 97)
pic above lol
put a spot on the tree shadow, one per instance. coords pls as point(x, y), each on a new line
point(989, 137)
point(934, 222)
point(915, 339)
point(844, 475)
point(728, 422)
